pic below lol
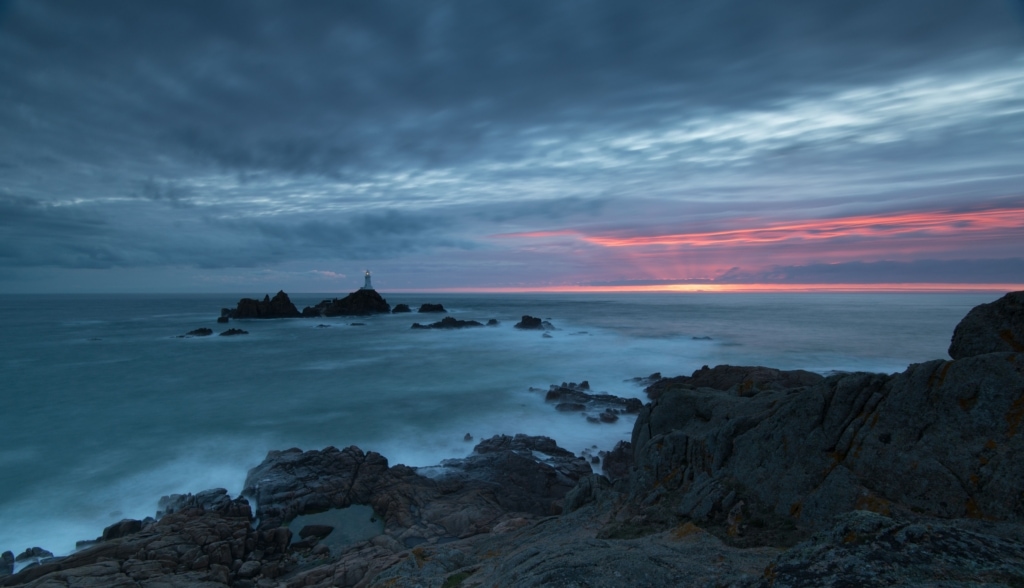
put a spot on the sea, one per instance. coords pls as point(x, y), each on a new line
point(106, 408)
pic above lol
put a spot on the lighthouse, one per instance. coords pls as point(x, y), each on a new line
point(366, 284)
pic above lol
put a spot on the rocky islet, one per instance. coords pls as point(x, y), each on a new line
point(734, 475)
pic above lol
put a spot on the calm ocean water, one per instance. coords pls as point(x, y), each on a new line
point(105, 410)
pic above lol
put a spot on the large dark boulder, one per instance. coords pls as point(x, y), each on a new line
point(401, 308)
point(280, 306)
point(993, 327)
point(431, 308)
point(943, 438)
point(359, 303)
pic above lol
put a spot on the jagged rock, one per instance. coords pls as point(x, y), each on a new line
point(618, 461)
point(280, 306)
point(988, 328)
point(448, 322)
point(431, 308)
point(121, 528)
point(213, 500)
point(233, 332)
point(359, 303)
point(810, 453)
point(200, 332)
point(461, 498)
point(193, 547)
point(573, 393)
point(742, 380)
point(33, 553)
point(401, 308)
point(871, 550)
point(222, 319)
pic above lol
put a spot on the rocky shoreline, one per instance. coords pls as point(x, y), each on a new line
point(733, 476)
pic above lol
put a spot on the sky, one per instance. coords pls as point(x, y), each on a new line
point(251, 146)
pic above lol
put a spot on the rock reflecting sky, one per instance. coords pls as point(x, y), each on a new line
point(251, 146)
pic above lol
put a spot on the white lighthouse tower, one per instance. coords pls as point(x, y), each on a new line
point(366, 284)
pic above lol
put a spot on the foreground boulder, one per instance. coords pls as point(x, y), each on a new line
point(991, 328)
point(949, 430)
point(280, 306)
point(362, 302)
point(461, 497)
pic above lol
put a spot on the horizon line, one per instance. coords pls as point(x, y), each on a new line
point(726, 288)
point(682, 288)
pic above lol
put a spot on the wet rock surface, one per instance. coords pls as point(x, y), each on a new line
point(428, 307)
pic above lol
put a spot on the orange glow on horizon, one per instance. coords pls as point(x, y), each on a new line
point(727, 288)
point(936, 223)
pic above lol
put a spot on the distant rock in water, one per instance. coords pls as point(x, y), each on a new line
point(988, 328)
point(432, 308)
point(222, 319)
point(448, 322)
point(577, 397)
point(280, 306)
point(362, 302)
point(493, 323)
point(401, 308)
point(532, 322)
point(200, 332)
point(232, 332)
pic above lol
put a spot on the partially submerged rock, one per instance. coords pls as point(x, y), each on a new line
point(448, 322)
point(428, 307)
point(533, 323)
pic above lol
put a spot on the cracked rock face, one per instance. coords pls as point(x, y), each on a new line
point(942, 438)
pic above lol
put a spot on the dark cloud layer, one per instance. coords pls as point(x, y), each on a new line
point(248, 133)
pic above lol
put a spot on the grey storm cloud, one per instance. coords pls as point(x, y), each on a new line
point(238, 133)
